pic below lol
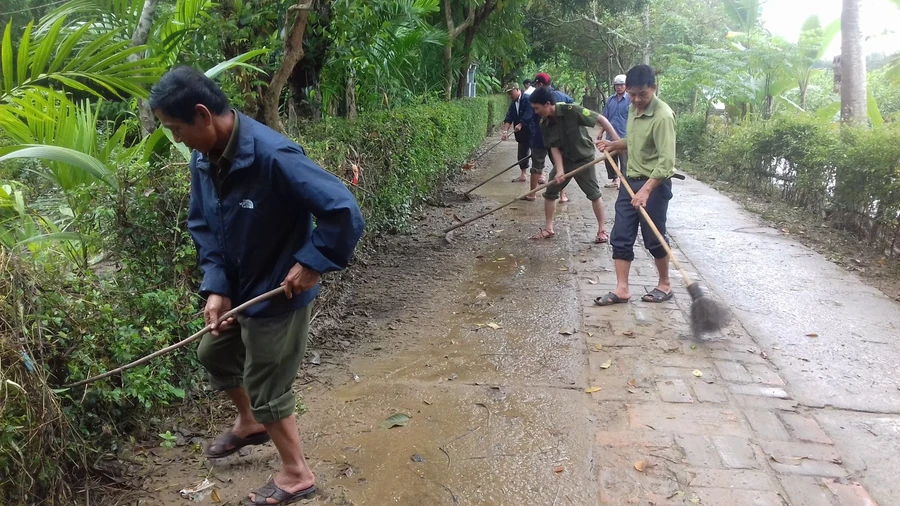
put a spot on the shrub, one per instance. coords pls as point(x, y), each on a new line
point(403, 154)
point(853, 175)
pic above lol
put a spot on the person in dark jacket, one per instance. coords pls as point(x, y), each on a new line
point(254, 194)
point(519, 110)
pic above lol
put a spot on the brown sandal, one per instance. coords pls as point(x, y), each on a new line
point(542, 234)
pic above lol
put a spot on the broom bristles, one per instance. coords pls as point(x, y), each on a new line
point(707, 315)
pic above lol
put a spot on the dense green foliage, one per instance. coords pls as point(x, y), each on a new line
point(850, 176)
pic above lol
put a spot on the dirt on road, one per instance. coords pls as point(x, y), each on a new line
point(505, 385)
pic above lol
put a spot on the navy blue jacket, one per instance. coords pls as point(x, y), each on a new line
point(537, 138)
point(522, 115)
point(249, 237)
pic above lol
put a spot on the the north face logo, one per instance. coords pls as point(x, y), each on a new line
point(247, 204)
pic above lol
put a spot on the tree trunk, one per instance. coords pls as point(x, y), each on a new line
point(803, 96)
point(694, 97)
point(853, 66)
point(645, 21)
point(351, 98)
point(293, 53)
point(453, 32)
point(139, 38)
point(467, 59)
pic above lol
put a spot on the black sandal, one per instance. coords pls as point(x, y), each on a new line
point(609, 300)
point(272, 491)
point(656, 295)
point(236, 442)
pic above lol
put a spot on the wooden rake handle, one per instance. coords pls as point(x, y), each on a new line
point(530, 192)
point(659, 236)
point(180, 344)
point(479, 185)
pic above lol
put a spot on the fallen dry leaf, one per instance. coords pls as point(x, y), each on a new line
point(605, 365)
point(628, 333)
point(639, 466)
point(698, 373)
point(214, 496)
point(456, 218)
point(481, 295)
point(563, 268)
point(590, 390)
point(559, 469)
point(501, 259)
point(632, 383)
point(598, 347)
point(590, 334)
point(591, 281)
point(812, 335)
point(566, 332)
point(494, 326)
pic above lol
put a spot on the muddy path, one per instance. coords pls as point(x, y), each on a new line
point(514, 389)
point(465, 339)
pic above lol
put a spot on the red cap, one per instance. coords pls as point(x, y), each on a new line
point(542, 78)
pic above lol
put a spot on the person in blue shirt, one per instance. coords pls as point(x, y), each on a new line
point(254, 195)
point(616, 111)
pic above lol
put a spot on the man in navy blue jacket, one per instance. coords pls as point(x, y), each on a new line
point(254, 194)
point(516, 118)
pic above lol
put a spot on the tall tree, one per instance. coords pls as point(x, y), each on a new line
point(294, 28)
point(453, 31)
point(139, 38)
point(853, 66)
point(481, 14)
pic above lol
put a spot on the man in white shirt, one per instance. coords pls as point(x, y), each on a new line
point(528, 88)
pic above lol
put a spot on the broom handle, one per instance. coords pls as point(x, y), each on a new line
point(180, 344)
point(488, 150)
point(530, 192)
point(659, 236)
point(479, 185)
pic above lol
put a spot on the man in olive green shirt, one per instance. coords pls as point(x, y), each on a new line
point(650, 144)
point(564, 128)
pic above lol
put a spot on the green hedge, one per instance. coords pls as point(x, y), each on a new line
point(403, 154)
point(850, 175)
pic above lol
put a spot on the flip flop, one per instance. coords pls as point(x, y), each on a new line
point(542, 180)
point(272, 491)
point(657, 295)
point(530, 198)
point(609, 300)
point(602, 237)
point(542, 234)
point(237, 442)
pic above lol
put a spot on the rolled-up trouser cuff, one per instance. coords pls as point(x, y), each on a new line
point(658, 251)
point(225, 382)
point(276, 409)
point(538, 160)
point(586, 180)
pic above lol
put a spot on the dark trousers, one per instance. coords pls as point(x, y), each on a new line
point(524, 149)
point(624, 232)
point(621, 160)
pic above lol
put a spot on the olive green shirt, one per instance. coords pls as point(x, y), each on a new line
point(651, 141)
point(568, 131)
point(222, 165)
